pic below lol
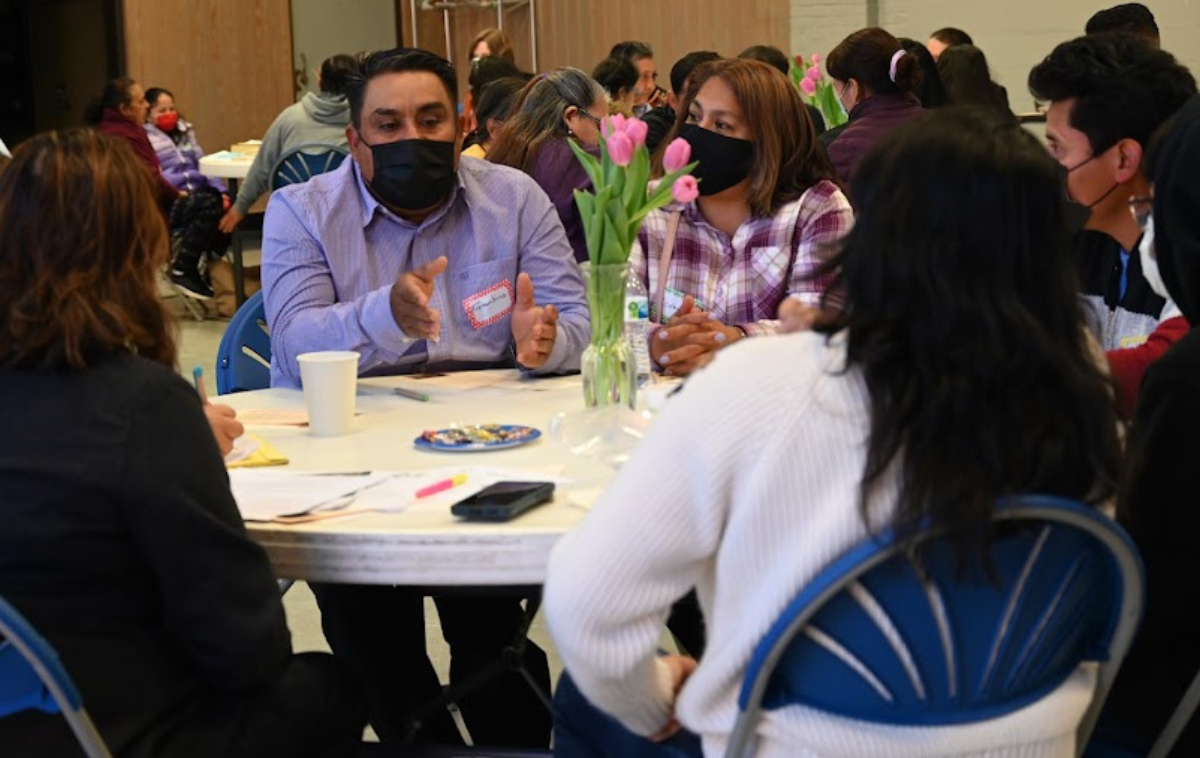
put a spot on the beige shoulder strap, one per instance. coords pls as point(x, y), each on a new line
point(664, 265)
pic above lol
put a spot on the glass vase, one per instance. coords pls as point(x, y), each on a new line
point(608, 365)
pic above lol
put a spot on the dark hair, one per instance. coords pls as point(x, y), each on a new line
point(336, 72)
point(963, 320)
point(787, 156)
point(967, 78)
point(1133, 18)
point(396, 61)
point(631, 50)
point(1123, 88)
point(154, 93)
point(114, 95)
point(486, 70)
point(537, 116)
point(82, 246)
point(615, 74)
point(497, 42)
point(866, 56)
point(770, 55)
point(684, 67)
point(930, 91)
point(950, 36)
point(497, 102)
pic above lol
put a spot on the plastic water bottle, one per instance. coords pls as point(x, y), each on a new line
point(637, 325)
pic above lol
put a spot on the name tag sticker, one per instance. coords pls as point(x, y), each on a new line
point(1133, 341)
point(673, 301)
point(489, 306)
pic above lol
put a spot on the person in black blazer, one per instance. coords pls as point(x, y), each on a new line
point(120, 539)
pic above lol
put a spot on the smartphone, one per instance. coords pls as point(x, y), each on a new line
point(503, 501)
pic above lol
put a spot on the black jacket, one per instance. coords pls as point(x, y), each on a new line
point(121, 542)
point(1159, 505)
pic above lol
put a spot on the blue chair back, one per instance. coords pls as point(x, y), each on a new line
point(31, 676)
point(244, 356)
point(303, 162)
point(882, 637)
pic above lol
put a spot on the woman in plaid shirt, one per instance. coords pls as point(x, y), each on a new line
point(770, 211)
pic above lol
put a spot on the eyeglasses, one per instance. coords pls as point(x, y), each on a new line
point(1141, 208)
point(590, 116)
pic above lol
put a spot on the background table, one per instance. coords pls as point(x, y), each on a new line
point(225, 167)
point(233, 169)
point(425, 545)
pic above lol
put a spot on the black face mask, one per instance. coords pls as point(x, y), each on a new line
point(1077, 213)
point(724, 161)
point(412, 174)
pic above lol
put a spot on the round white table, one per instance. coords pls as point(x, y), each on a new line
point(222, 166)
point(426, 545)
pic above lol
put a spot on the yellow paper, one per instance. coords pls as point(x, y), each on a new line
point(265, 454)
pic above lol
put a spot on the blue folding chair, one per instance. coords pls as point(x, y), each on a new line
point(881, 637)
point(31, 676)
point(244, 357)
point(303, 162)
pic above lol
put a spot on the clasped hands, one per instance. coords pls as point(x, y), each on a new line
point(534, 327)
point(689, 339)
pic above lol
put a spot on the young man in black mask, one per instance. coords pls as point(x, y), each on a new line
point(1107, 95)
point(419, 261)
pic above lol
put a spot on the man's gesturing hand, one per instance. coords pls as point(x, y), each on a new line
point(410, 301)
point(534, 327)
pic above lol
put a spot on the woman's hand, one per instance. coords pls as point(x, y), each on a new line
point(225, 426)
point(689, 339)
point(681, 667)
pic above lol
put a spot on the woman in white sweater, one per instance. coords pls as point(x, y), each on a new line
point(958, 373)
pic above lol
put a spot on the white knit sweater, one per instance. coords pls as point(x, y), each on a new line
point(745, 488)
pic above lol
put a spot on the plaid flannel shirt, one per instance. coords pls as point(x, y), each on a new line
point(743, 280)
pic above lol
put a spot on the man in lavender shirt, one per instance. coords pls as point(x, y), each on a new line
point(419, 261)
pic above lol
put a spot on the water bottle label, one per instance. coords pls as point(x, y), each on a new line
point(637, 308)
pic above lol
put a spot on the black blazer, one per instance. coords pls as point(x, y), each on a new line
point(121, 542)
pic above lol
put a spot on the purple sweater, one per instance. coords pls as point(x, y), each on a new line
point(559, 173)
point(180, 161)
point(870, 120)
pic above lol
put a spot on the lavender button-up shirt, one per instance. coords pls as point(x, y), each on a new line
point(331, 253)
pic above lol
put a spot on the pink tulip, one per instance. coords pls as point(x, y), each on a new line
point(620, 148)
point(808, 86)
point(813, 73)
point(679, 152)
point(637, 131)
point(816, 58)
point(612, 124)
point(685, 189)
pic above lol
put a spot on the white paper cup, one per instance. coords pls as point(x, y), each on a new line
point(330, 379)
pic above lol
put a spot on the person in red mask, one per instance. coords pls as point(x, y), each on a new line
point(193, 221)
point(174, 142)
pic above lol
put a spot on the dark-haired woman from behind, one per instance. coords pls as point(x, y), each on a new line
point(874, 78)
point(930, 91)
point(619, 79)
point(906, 407)
point(968, 79)
point(493, 109)
point(121, 541)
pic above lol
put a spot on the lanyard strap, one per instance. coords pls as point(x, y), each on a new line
point(664, 264)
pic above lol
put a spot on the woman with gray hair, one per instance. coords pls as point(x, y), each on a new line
point(556, 106)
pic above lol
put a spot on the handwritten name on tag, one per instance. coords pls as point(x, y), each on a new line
point(489, 306)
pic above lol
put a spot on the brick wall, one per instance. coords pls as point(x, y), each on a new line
point(1015, 34)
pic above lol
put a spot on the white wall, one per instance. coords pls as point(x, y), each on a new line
point(1015, 34)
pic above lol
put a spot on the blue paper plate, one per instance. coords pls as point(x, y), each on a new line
point(475, 439)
